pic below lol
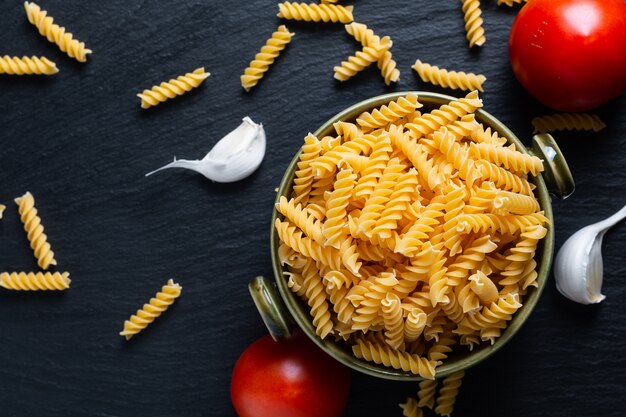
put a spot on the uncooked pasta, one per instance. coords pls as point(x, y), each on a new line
point(34, 231)
point(172, 88)
point(55, 33)
point(13, 65)
point(266, 57)
point(151, 310)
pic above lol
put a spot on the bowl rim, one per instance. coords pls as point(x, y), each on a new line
point(543, 256)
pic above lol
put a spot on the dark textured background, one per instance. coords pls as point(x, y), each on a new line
point(80, 142)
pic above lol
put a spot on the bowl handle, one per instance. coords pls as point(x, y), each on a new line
point(556, 173)
point(271, 307)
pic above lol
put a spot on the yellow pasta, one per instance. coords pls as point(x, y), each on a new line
point(312, 12)
point(411, 409)
point(388, 113)
point(2, 208)
point(172, 88)
point(14, 65)
point(35, 281)
point(361, 60)
point(34, 231)
point(262, 61)
point(153, 309)
point(448, 393)
point(386, 63)
point(568, 121)
point(510, 3)
point(55, 33)
point(426, 393)
point(449, 79)
point(429, 228)
point(473, 22)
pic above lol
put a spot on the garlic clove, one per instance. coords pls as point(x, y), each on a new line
point(233, 158)
point(578, 268)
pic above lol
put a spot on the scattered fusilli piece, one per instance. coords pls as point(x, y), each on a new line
point(2, 208)
point(510, 3)
point(172, 88)
point(313, 12)
point(473, 22)
point(449, 79)
point(448, 393)
point(361, 60)
point(426, 393)
point(366, 37)
point(262, 61)
point(55, 33)
point(153, 309)
point(14, 65)
point(35, 281)
point(34, 231)
point(568, 121)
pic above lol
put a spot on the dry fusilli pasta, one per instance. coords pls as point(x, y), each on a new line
point(448, 393)
point(361, 60)
point(55, 33)
point(411, 409)
point(262, 61)
point(473, 22)
point(568, 121)
point(386, 63)
point(35, 281)
point(312, 12)
point(34, 231)
point(172, 88)
point(153, 309)
point(14, 65)
point(510, 3)
point(449, 79)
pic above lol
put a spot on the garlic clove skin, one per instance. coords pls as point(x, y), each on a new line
point(578, 268)
point(233, 158)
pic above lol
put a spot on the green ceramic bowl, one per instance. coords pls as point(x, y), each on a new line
point(279, 309)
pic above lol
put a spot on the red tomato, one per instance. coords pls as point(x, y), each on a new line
point(570, 54)
point(291, 378)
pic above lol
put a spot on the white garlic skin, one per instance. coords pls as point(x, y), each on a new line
point(233, 158)
point(578, 267)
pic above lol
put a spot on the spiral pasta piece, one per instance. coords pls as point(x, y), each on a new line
point(307, 247)
point(359, 61)
point(316, 298)
point(303, 178)
point(510, 3)
point(153, 309)
point(312, 12)
point(426, 393)
point(401, 196)
point(172, 88)
point(411, 409)
point(34, 231)
point(326, 165)
point(388, 113)
point(386, 63)
point(35, 281)
point(336, 204)
point(448, 393)
point(449, 79)
point(2, 208)
point(507, 157)
point(266, 57)
point(55, 33)
point(14, 65)
point(430, 122)
point(568, 121)
point(385, 355)
point(394, 323)
point(473, 22)
point(506, 202)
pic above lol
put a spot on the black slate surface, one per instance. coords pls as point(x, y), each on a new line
point(80, 142)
